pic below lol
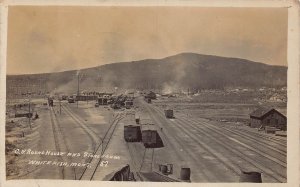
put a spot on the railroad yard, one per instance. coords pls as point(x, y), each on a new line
point(81, 140)
point(149, 93)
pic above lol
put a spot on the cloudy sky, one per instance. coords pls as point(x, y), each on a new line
point(49, 39)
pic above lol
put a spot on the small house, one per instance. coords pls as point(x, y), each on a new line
point(262, 117)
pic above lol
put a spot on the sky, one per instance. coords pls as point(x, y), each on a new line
point(50, 39)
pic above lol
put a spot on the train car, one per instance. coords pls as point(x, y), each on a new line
point(64, 97)
point(137, 119)
point(115, 106)
point(150, 137)
point(169, 113)
point(151, 95)
point(71, 99)
point(26, 114)
point(85, 97)
point(148, 100)
point(102, 100)
point(132, 133)
point(128, 104)
point(50, 102)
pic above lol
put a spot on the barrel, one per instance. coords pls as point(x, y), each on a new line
point(185, 173)
point(254, 177)
point(164, 169)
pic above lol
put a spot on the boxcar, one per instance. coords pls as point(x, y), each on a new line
point(137, 119)
point(148, 100)
point(50, 102)
point(150, 137)
point(102, 101)
point(64, 97)
point(169, 113)
point(128, 104)
point(132, 133)
point(71, 99)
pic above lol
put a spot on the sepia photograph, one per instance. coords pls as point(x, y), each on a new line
point(147, 94)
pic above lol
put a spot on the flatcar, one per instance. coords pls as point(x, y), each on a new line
point(132, 133)
point(150, 137)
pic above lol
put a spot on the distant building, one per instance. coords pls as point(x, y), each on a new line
point(151, 95)
point(267, 117)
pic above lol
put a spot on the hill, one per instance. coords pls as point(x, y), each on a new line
point(185, 70)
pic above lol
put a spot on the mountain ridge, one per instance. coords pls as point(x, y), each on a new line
point(184, 70)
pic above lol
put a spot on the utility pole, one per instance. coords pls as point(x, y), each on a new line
point(29, 111)
point(15, 107)
point(59, 106)
point(102, 141)
point(77, 89)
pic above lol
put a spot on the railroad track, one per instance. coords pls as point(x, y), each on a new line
point(28, 172)
point(268, 138)
point(228, 136)
point(136, 161)
point(203, 168)
point(182, 127)
point(265, 168)
point(61, 146)
point(156, 177)
point(88, 173)
point(90, 132)
point(278, 149)
point(225, 161)
point(134, 157)
point(144, 159)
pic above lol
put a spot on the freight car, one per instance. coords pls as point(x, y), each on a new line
point(50, 102)
point(71, 99)
point(150, 136)
point(151, 95)
point(132, 133)
point(148, 100)
point(128, 104)
point(85, 97)
point(102, 101)
point(137, 119)
point(64, 97)
point(169, 113)
point(27, 114)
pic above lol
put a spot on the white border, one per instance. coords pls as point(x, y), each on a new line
point(293, 83)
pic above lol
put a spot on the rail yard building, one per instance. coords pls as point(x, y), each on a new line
point(151, 95)
point(263, 117)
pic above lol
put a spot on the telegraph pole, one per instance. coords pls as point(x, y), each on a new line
point(59, 105)
point(29, 111)
point(77, 89)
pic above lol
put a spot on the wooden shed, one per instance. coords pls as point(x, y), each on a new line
point(262, 117)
